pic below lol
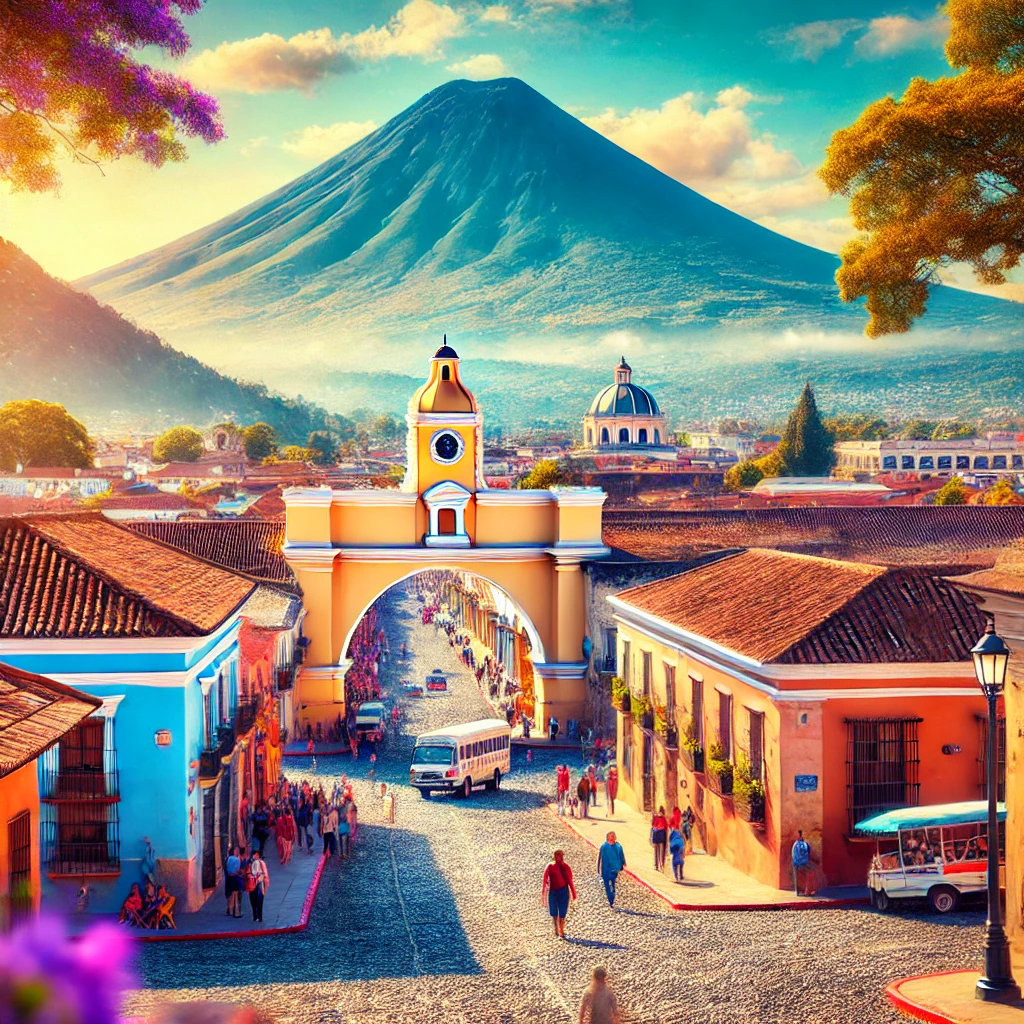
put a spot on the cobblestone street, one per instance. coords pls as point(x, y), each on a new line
point(438, 918)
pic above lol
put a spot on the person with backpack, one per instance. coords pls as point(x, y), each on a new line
point(559, 887)
point(677, 847)
point(611, 859)
point(257, 882)
point(583, 794)
point(801, 855)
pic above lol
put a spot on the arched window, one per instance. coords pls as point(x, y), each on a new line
point(623, 435)
point(657, 437)
point(446, 522)
point(604, 435)
point(446, 373)
point(641, 437)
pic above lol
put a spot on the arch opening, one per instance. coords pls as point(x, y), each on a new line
point(623, 435)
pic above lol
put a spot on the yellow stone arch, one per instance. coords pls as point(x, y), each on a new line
point(347, 547)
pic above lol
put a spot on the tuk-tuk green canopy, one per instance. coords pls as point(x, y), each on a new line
point(933, 816)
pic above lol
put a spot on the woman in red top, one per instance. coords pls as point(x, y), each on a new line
point(659, 836)
point(559, 886)
point(676, 821)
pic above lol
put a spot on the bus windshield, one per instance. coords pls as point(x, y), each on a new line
point(433, 754)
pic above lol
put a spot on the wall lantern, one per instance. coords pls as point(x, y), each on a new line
point(162, 737)
point(952, 748)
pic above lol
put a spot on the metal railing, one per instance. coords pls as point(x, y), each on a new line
point(245, 715)
point(211, 761)
point(74, 784)
point(80, 839)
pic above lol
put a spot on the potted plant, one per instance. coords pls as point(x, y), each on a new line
point(690, 749)
point(620, 695)
point(643, 709)
point(719, 770)
point(748, 793)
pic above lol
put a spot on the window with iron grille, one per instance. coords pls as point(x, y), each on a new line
point(79, 796)
point(19, 865)
point(697, 710)
point(648, 672)
point(610, 653)
point(627, 751)
point(983, 755)
point(627, 674)
point(670, 693)
point(725, 723)
point(755, 743)
point(882, 766)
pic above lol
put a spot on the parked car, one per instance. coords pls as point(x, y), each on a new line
point(437, 681)
point(412, 689)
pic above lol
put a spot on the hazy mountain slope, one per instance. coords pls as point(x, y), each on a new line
point(62, 346)
point(487, 211)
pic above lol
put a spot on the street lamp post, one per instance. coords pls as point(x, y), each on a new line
point(996, 985)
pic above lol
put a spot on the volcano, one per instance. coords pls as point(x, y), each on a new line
point(486, 211)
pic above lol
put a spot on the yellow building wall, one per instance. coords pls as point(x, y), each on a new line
point(516, 524)
point(308, 524)
point(19, 792)
point(462, 472)
point(579, 524)
point(374, 525)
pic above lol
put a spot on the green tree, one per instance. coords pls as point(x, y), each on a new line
point(952, 492)
point(545, 473)
point(936, 177)
point(36, 433)
point(743, 475)
point(917, 430)
point(385, 428)
point(681, 438)
point(321, 444)
point(295, 453)
point(259, 441)
point(808, 445)
point(1002, 492)
point(179, 444)
point(952, 430)
point(857, 427)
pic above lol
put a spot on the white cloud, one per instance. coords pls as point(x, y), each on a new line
point(496, 13)
point(418, 30)
point(811, 40)
point(830, 234)
point(318, 143)
point(271, 63)
point(254, 144)
point(897, 34)
point(572, 5)
point(699, 147)
point(753, 197)
point(481, 67)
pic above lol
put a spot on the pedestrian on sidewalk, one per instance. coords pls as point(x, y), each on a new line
point(352, 814)
point(330, 824)
point(801, 863)
point(599, 1005)
point(285, 833)
point(611, 859)
point(552, 728)
point(592, 776)
point(261, 826)
point(659, 835)
point(387, 797)
point(233, 883)
point(559, 886)
point(583, 794)
point(258, 883)
point(688, 822)
point(611, 788)
point(677, 847)
point(344, 833)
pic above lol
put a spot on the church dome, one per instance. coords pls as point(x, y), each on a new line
point(624, 399)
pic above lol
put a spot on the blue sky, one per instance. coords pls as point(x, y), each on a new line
point(734, 97)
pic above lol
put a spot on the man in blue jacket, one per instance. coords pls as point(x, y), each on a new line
point(610, 861)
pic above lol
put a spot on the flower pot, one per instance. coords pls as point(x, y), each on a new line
point(720, 784)
point(749, 808)
point(622, 704)
point(693, 759)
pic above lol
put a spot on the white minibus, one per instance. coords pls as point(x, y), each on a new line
point(460, 757)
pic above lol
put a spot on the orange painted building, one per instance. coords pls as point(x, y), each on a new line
point(774, 692)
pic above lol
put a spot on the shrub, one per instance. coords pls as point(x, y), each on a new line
point(716, 762)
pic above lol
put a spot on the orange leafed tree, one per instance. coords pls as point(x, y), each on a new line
point(936, 176)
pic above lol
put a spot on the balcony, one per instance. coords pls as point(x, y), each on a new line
point(211, 762)
point(245, 716)
point(693, 758)
point(284, 677)
point(71, 785)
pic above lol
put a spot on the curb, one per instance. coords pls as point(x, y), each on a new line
point(530, 744)
point(317, 754)
point(307, 906)
point(737, 907)
point(911, 1009)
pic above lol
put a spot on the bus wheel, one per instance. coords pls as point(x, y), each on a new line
point(882, 900)
point(943, 899)
point(467, 787)
point(495, 784)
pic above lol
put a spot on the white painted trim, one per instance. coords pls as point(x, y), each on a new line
point(721, 688)
point(501, 498)
point(526, 553)
point(319, 559)
point(566, 550)
point(447, 540)
point(592, 496)
point(696, 677)
point(307, 496)
point(162, 680)
point(101, 645)
point(374, 496)
point(109, 707)
point(561, 669)
point(870, 693)
point(455, 419)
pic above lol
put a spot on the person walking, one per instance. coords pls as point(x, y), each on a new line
point(258, 883)
point(599, 1005)
point(302, 822)
point(552, 729)
point(330, 823)
point(583, 794)
point(562, 777)
point(559, 886)
point(677, 847)
point(592, 776)
point(659, 835)
point(801, 855)
point(344, 832)
point(233, 883)
point(261, 827)
point(285, 832)
point(688, 820)
point(611, 859)
point(611, 788)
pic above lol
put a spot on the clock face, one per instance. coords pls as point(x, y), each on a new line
point(446, 447)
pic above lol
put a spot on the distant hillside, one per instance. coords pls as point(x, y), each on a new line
point(60, 345)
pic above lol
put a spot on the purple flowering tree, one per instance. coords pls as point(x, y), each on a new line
point(69, 78)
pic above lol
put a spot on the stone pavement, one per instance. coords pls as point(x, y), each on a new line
point(949, 999)
point(710, 883)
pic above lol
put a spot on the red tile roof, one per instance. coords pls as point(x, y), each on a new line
point(1005, 577)
point(34, 714)
point(249, 546)
point(774, 606)
point(947, 535)
point(81, 575)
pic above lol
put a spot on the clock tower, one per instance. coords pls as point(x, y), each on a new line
point(444, 452)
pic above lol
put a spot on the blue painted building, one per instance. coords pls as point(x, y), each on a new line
point(193, 664)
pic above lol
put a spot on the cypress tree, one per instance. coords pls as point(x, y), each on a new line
point(809, 445)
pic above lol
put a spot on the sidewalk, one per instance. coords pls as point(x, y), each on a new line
point(710, 883)
point(949, 999)
point(286, 908)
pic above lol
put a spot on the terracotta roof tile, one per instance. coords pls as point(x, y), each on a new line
point(80, 575)
point(1005, 577)
point(34, 714)
point(775, 606)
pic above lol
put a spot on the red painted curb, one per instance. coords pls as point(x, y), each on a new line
point(916, 1010)
point(307, 906)
point(739, 907)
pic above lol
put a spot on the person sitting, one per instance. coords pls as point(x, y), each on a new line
point(131, 909)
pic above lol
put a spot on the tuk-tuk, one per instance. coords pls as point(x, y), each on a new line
point(939, 853)
point(437, 681)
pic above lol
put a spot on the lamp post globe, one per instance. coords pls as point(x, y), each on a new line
point(991, 657)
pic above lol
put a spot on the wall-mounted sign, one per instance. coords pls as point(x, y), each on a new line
point(162, 737)
point(806, 783)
